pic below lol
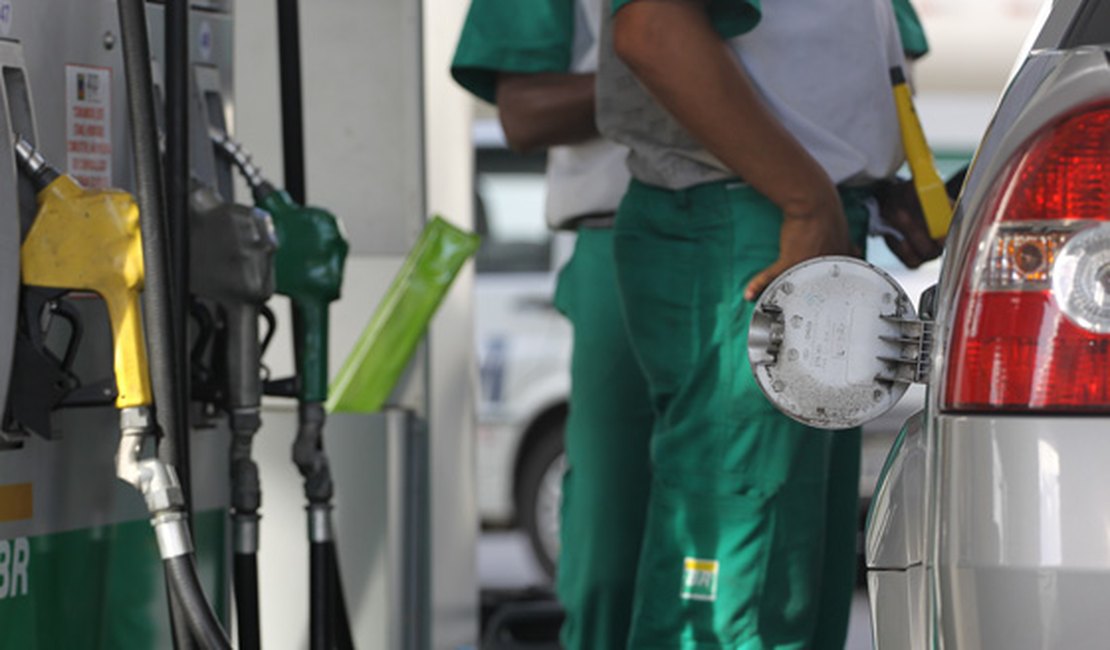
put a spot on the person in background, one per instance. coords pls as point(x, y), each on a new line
point(536, 60)
point(759, 133)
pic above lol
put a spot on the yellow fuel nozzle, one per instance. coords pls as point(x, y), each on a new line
point(89, 240)
point(926, 180)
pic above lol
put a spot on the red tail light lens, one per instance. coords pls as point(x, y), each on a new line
point(1031, 329)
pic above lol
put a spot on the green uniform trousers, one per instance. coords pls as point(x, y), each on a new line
point(750, 533)
point(605, 490)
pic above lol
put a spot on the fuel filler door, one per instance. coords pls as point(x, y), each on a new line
point(835, 342)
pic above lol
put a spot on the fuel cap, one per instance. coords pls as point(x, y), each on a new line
point(827, 341)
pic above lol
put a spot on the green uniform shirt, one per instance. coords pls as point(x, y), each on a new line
point(909, 28)
point(546, 36)
point(517, 36)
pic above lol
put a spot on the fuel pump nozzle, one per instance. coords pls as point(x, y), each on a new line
point(89, 240)
point(309, 264)
point(232, 248)
point(232, 268)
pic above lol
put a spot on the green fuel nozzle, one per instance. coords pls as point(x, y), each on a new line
point(310, 259)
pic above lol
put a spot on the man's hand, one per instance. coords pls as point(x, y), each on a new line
point(900, 208)
point(821, 231)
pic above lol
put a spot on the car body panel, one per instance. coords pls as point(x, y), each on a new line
point(1023, 531)
point(897, 520)
point(898, 608)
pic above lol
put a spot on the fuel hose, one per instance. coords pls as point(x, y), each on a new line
point(292, 111)
point(185, 595)
point(181, 572)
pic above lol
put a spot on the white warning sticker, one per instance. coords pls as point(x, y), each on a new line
point(89, 125)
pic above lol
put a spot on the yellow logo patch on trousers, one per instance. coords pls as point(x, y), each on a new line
point(699, 579)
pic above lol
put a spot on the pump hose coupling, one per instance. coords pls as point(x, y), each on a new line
point(309, 455)
point(155, 480)
point(38, 170)
point(246, 488)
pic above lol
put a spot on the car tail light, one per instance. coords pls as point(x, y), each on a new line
point(1031, 329)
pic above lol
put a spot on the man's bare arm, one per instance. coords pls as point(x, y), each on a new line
point(544, 109)
point(672, 48)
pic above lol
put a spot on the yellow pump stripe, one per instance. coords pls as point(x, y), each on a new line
point(926, 180)
point(16, 502)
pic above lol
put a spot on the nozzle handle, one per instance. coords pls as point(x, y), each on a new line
point(310, 342)
point(926, 180)
point(244, 353)
point(90, 240)
point(130, 360)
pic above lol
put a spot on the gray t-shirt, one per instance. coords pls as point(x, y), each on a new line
point(822, 66)
point(589, 177)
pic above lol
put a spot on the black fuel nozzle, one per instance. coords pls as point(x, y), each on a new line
point(232, 249)
point(40, 172)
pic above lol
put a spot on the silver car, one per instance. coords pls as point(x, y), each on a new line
point(990, 525)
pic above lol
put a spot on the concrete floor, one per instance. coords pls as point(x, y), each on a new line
point(505, 562)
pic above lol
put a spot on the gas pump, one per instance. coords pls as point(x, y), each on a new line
point(231, 273)
point(309, 265)
point(90, 240)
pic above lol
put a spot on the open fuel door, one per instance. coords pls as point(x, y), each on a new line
point(835, 342)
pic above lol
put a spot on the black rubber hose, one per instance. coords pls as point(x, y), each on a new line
point(158, 310)
point(179, 630)
point(343, 639)
point(245, 567)
point(181, 571)
point(161, 330)
point(322, 627)
point(292, 108)
point(177, 214)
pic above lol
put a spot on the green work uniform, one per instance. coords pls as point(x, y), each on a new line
point(605, 489)
point(750, 539)
point(910, 30)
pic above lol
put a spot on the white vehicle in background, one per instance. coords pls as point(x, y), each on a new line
point(523, 345)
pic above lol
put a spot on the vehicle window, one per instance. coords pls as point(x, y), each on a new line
point(510, 198)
